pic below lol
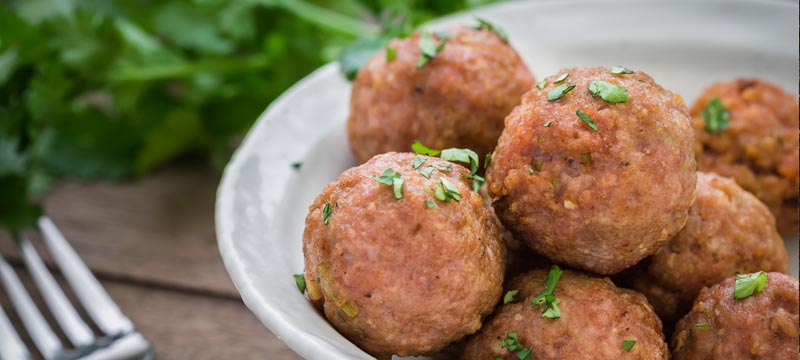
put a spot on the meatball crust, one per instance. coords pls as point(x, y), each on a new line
point(597, 200)
point(458, 99)
point(759, 149)
point(397, 277)
point(728, 230)
point(762, 326)
point(596, 317)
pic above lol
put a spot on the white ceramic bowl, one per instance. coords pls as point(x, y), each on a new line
point(262, 201)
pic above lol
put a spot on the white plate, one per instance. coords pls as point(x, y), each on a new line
point(262, 201)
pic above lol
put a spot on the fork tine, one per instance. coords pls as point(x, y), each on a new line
point(44, 338)
point(64, 313)
point(95, 299)
point(11, 347)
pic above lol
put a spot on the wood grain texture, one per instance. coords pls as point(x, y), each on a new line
point(153, 245)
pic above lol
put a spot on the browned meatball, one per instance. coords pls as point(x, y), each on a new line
point(596, 317)
point(728, 230)
point(762, 326)
point(759, 149)
point(597, 200)
point(393, 275)
point(458, 99)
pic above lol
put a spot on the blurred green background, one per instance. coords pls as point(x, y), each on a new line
point(114, 89)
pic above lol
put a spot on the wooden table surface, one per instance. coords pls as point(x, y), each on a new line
point(152, 244)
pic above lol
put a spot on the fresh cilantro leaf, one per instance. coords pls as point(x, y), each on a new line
point(561, 78)
point(466, 156)
point(748, 284)
point(327, 210)
point(386, 177)
point(510, 296)
point(357, 53)
point(477, 181)
point(418, 161)
point(426, 171)
point(300, 281)
point(450, 190)
point(559, 92)
point(700, 326)
point(547, 124)
point(588, 120)
point(608, 91)
point(430, 204)
point(397, 186)
point(620, 70)
point(627, 345)
point(483, 24)
point(487, 160)
point(442, 168)
point(541, 84)
point(429, 47)
point(715, 115)
point(421, 149)
point(391, 53)
point(546, 297)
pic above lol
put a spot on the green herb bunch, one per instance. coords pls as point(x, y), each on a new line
point(114, 88)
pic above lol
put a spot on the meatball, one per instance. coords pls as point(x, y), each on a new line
point(596, 318)
point(762, 326)
point(403, 276)
point(599, 192)
point(759, 148)
point(728, 230)
point(458, 99)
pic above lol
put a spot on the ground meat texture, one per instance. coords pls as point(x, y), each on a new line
point(728, 230)
point(596, 317)
point(397, 277)
point(760, 148)
point(597, 200)
point(762, 326)
point(458, 99)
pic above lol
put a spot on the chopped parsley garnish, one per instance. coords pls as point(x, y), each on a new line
point(391, 53)
point(748, 284)
point(530, 170)
point(462, 155)
point(349, 309)
point(392, 178)
point(397, 186)
point(559, 92)
point(426, 171)
point(483, 24)
point(608, 91)
point(511, 342)
point(418, 161)
point(546, 297)
point(716, 116)
point(487, 160)
point(442, 168)
point(510, 297)
point(421, 149)
point(588, 120)
point(537, 166)
point(327, 210)
point(700, 326)
point(561, 78)
point(429, 47)
point(541, 84)
point(547, 124)
point(430, 204)
point(620, 70)
point(446, 191)
point(297, 165)
point(300, 281)
point(628, 344)
point(477, 181)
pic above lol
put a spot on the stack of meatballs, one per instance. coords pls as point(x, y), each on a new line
point(614, 222)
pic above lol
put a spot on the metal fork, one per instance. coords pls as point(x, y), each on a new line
point(120, 339)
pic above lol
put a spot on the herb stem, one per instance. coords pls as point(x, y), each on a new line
point(325, 18)
point(171, 71)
